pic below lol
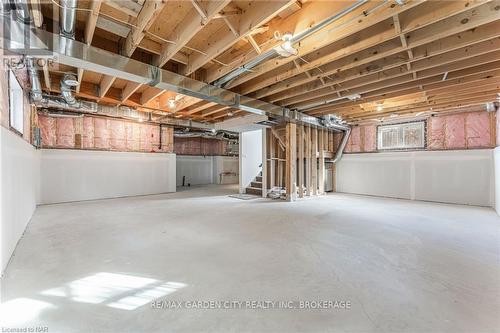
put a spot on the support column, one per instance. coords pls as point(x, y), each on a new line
point(308, 161)
point(301, 160)
point(264, 163)
point(291, 160)
point(314, 161)
point(321, 161)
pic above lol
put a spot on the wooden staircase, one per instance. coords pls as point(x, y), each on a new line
point(255, 186)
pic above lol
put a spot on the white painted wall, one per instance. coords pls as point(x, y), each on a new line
point(72, 175)
point(223, 164)
point(200, 170)
point(462, 176)
point(250, 157)
point(19, 168)
point(496, 154)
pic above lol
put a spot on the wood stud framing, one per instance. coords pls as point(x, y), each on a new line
point(299, 165)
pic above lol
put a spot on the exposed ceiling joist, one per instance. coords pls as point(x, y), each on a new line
point(148, 14)
point(187, 29)
point(255, 16)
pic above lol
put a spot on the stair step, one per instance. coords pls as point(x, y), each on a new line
point(258, 179)
point(256, 184)
point(253, 190)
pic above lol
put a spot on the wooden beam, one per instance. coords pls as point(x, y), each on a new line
point(46, 76)
point(278, 138)
point(129, 89)
point(148, 14)
point(149, 94)
point(254, 44)
point(91, 22)
point(88, 34)
point(463, 79)
point(377, 46)
point(187, 29)
point(314, 11)
point(105, 84)
point(36, 13)
point(475, 39)
point(200, 10)
point(363, 85)
point(317, 42)
point(231, 23)
point(254, 17)
point(291, 159)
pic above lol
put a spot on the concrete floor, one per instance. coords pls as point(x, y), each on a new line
point(404, 266)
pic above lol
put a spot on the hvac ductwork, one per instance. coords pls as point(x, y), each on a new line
point(221, 135)
point(225, 80)
point(69, 81)
point(22, 11)
point(343, 143)
point(84, 107)
point(68, 18)
point(36, 88)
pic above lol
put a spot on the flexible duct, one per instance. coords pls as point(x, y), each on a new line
point(67, 94)
point(343, 143)
point(223, 81)
point(36, 88)
point(68, 18)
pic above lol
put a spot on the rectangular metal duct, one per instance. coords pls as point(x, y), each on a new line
point(73, 53)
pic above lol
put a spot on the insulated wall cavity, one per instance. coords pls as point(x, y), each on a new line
point(96, 133)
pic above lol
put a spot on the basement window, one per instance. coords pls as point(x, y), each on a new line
point(16, 104)
point(401, 136)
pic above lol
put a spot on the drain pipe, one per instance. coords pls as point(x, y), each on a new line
point(224, 81)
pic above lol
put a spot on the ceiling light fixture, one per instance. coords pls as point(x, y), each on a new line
point(286, 49)
point(380, 107)
point(171, 103)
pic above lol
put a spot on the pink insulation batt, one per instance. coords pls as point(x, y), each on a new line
point(88, 133)
point(455, 132)
point(478, 130)
point(48, 130)
point(354, 142)
point(117, 135)
point(103, 134)
point(370, 143)
point(65, 135)
point(466, 130)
